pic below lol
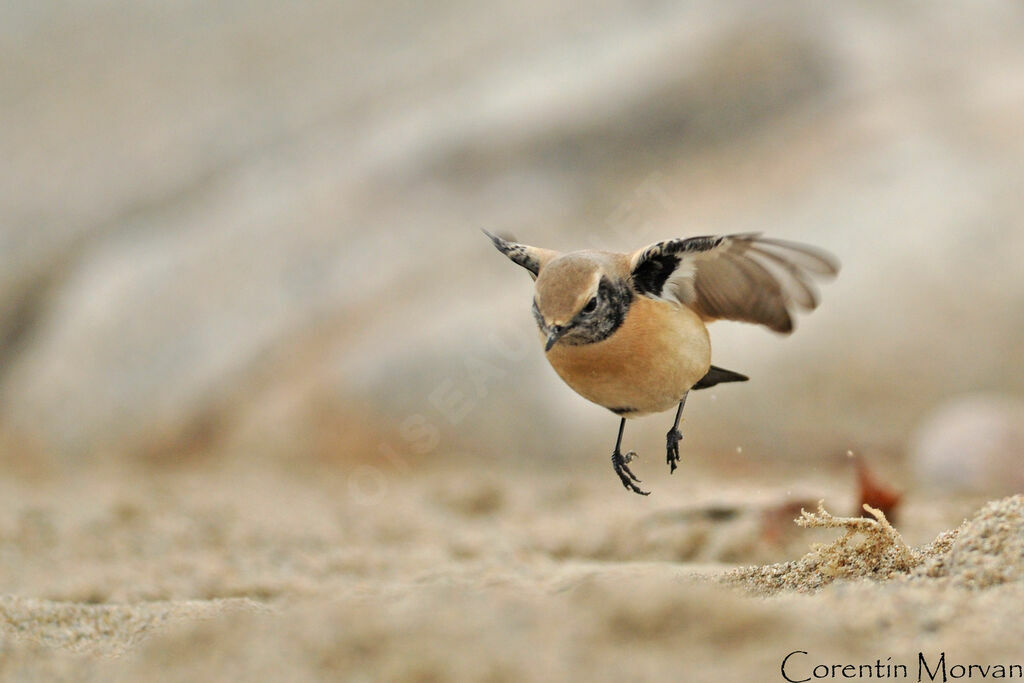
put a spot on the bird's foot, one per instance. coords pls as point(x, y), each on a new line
point(672, 440)
point(619, 462)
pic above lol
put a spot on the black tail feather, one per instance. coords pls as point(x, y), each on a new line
point(718, 376)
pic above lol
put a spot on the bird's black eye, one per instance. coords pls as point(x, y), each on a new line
point(591, 305)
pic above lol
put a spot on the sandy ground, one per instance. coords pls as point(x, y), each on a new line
point(219, 573)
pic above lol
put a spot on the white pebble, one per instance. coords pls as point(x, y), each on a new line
point(972, 443)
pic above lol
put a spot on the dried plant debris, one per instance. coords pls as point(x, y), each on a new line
point(869, 548)
point(881, 552)
point(985, 551)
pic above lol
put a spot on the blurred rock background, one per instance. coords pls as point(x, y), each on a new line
point(251, 230)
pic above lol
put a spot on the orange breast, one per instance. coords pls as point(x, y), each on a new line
point(659, 352)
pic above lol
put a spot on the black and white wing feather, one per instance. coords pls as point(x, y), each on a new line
point(530, 258)
point(737, 277)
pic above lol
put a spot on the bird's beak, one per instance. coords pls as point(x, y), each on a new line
point(556, 333)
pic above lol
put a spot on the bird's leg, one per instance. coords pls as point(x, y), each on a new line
point(619, 463)
point(673, 438)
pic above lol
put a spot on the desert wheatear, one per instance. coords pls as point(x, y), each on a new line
point(627, 331)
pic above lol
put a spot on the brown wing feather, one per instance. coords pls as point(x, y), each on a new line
point(742, 277)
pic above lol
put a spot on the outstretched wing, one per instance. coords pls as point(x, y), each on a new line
point(737, 277)
point(530, 258)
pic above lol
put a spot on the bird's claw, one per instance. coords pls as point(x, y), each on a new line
point(672, 452)
point(625, 475)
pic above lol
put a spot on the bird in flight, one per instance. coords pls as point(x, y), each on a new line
point(627, 331)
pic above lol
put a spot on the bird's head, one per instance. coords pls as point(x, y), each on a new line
point(580, 297)
point(567, 298)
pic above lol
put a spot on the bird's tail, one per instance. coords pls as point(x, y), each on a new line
point(719, 376)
